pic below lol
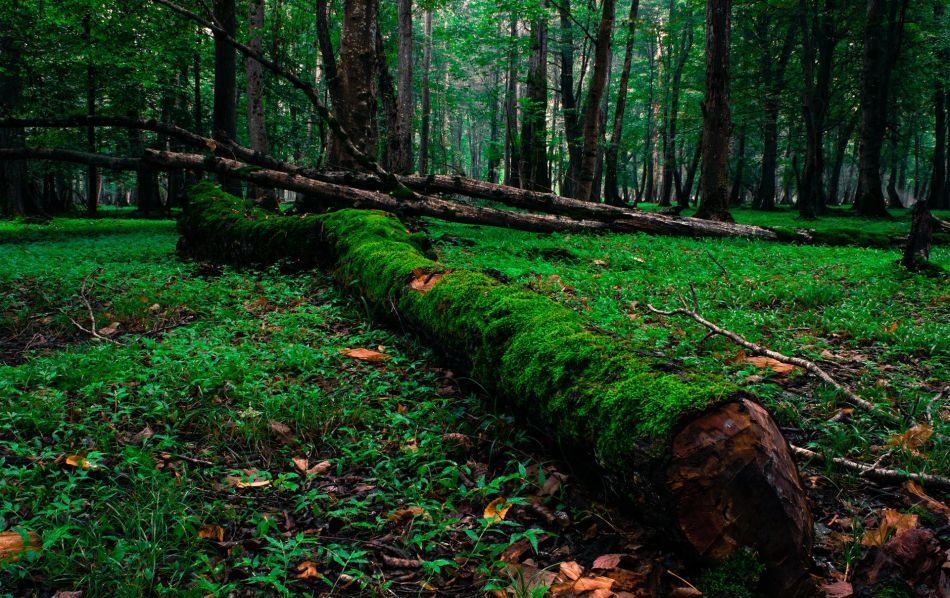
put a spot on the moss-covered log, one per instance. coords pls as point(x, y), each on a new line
point(694, 449)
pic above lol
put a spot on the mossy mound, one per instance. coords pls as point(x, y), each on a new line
point(590, 388)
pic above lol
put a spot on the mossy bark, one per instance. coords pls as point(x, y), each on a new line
point(652, 428)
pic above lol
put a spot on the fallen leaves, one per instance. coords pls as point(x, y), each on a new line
point(364, 354)
point(211, 532)
point(14, 544)
point(891, 521)
point(913, 439)
point(250, 478)
point(407, 513)
point(79, 462)
point(838, 589)
point(307, 570)
point(303, 464)
point(933, 504)
point(768, 363)
point(497, 509)
point(424, 281)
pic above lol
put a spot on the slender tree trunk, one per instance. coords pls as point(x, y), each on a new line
point(611, 195)
point(893, 196)
point(390, 105)
point(735, 196)
point(327, 56)
point(534, 158)
point(426, 95)
point(572, 129)
point(493, 150)
point(92, 172)
point(882, 42)
point(402, 161)
point(841, 147)
point(773, 80)
point(256, 125)
point(15, 196)
point(224, 120)
point(717, 122)
point(595, 98)
point(357, 72)
point(687, 190)
point(669, 147)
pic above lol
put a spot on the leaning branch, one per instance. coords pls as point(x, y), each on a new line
point(805, 364)
point(871, 472)
point(64, 155)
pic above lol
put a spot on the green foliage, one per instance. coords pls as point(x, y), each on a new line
point(736, 577)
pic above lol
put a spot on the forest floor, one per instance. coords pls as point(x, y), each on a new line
point(216, 430)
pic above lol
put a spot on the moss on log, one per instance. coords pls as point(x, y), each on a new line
point(707, 459)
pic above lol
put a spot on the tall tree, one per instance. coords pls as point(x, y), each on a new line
point(256, 125)
point(819, 38)
point(534, 157)
point(357, 72)
point(611, 154)
point(92, 172)
point(426, 95)
point(590, 149)
point(15, 196)
point(883, 36)
point(670, 169)
point(717, 122)
point(224, 118)
point(402, 161)
point(572, 128)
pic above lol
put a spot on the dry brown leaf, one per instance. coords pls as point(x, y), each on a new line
point(406, 513)
point(301, 463)
point(571, 570)
point(364, 354)
point(767, 362)
point(515, 551)
point(320, 468)
point(211, 532)
point(108, 330)
point(913, 439)
point(307, 570)
point(79, 461)
point(67, 594)
point(685, 592)
point(424, 281)
point(497, 509)
point(934, 504)
point(838, 589)
point(552, 484)
point(589, 584)
point(282, 431)
point(398, 563)
point(607, 561)
point(212, 145)
point(13, 544)
point(252, 478)
point(891, 521)
point(891, 328)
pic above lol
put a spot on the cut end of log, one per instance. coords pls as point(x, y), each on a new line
point(734, 484)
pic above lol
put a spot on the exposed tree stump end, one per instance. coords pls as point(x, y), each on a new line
point(734, 483)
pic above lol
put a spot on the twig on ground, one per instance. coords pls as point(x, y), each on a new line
point(805, 364)
point(93, 328)
point(875, 473)
point(725, 272)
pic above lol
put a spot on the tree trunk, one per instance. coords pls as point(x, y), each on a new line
point(494, 155)
point(256, 125)
point(669, 145)
point(590, 149)
point(327, 56)
point(92, 173)
point(882, 42)
point(357, 72)
point(224, 119)
point(717, 124)
point(735, 196)
point(773, 81)
point(426, 95)
point(15, 195)
point(572, 129)
point(611, 195)
point(534, 152)
point(712, 466)
point(402, 161)
point(841, 147)
point(390, 104)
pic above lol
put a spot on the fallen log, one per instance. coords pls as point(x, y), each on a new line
point(695, 453)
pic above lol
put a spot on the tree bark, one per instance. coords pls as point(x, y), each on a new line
point(224, 119)
point(390, 105)
point(256, 125)
point(717, 124)
point(884, 28)
point(15, 193)
point(358, 70)
point(327, 56)
point(402, 161)
point(92, 173)
point(572, 129)
point(669, 138)
point(534, 152)
point(735, 196)
point(426, 95)
point(611, 194)
point(590, 148)
point(716, 471)
point(773, 81)
point(512, 143)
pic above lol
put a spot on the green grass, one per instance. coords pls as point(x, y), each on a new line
point(164, 418)
point(889, 330)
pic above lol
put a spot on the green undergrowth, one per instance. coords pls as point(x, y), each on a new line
point(880, 329)
point(128, 457)
point(543, 357)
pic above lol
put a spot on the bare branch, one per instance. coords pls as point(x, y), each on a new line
point(872, 472)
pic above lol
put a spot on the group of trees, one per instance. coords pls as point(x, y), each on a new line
point(811, 102)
